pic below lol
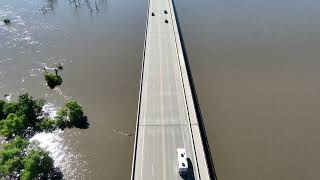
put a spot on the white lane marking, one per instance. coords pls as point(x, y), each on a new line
point(173, 19)
point(152, 169)
point(164, 170)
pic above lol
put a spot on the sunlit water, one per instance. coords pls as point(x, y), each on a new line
point(255, 66)
point(64, 157)
point(101, 51)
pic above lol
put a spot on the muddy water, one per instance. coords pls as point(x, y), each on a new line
point(101, 53)
point(255, 64)
point(256, 68)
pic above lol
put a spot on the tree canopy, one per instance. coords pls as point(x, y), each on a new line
point(53, 80)
point(71, 116)
point(13, 125)
point(20, 158)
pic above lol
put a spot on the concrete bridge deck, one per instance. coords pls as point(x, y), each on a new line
point(166, 116)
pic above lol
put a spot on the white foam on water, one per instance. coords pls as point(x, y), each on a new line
point(60, 148)
point(50, 110)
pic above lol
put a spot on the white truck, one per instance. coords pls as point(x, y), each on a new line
point(182, 162)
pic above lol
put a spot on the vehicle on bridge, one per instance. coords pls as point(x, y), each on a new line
point(182, 162)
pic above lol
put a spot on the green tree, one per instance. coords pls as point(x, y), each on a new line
point(11, 157)
point(53, 80)
point(71, 116)
point(10, 107)
point(62, 119)
point(75, 113)
point(37, 163)
point(26, 105)
point(13, 125)
point(29, 107)
point(19, 157)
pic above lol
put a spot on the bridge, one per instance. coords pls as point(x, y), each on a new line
point(166, 118)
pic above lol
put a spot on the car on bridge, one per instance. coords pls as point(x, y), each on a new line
point(182, 162)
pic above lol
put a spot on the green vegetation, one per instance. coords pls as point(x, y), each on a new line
point(20, 159)
point(13, 125)
point(17, 117)
point(25, 117)
point(71, 116)
point(53, 79)
point(47, 124)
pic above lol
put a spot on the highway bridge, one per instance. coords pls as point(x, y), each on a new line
point(166, 118)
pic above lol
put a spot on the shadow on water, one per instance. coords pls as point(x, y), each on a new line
point(204, 138)
point(83, 124)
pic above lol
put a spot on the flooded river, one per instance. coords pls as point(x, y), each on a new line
point(256, 67)
point(255, 64)
point(101, 53)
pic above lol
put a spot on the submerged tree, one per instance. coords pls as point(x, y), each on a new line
point(53, 79)
point(11, 157)
point(39, 165)
point(13, 125)
point(20, 159)
point(71, 116)
point(25, 117)
point(21, 115)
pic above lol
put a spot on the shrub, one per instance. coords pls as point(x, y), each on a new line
point(53, 80)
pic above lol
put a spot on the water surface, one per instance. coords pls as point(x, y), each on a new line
point(256, 69)
point(101, 53)
point(255, 64)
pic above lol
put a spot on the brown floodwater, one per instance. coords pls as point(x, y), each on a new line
point(256, 67)
point(101, 53)
point(255, 64)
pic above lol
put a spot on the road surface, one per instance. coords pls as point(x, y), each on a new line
point(164, 122)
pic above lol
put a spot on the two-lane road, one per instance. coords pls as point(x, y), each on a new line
point(164, 123)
